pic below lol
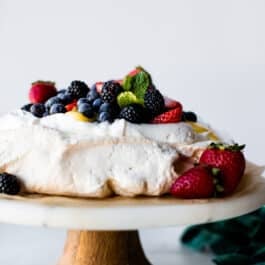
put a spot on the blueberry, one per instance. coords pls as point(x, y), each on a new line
point(189, 116)
point(94, 87)
point(97, 103)
point(46, 113)
point(27, 107)
point(37, 109)
point(82, 100)
point(92, 95)
point(105, 107)
point(52, 101)
point(105, 116)
point(86, 109)
point(57, 108)
point(65, 98)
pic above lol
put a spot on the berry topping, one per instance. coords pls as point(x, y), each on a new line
point(86, 109)
point(27, 107)
point(92, 95)
point(9, 184)
point(40, 91)
point(105, 116)
point(99, 86)
point(230, 160)
point(196, 183)
point(127, 98)
point(106, 107)
point(133, 113)
point(37, 109)
point(57, 108)
point(138, 82)
point(71, 106)
point(189, 116)
point(170, 116)
point(78, 89)
point(51, 101)
point(82, 100)
point(133, 98)
point(96, 104)
point(154, 101)
point(65, 97)
point(134, 72)
point(110, 91)
point(45, 114)
point(61, 91)
point(170, 103)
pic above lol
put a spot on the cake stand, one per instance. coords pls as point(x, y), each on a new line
point(104, 232)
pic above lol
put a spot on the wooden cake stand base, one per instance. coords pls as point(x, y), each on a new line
point(103, 248)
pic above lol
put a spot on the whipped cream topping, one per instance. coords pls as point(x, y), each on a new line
point(59, 155)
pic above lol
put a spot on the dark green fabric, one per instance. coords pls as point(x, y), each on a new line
point(238, 241)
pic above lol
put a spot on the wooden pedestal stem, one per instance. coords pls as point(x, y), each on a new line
point(103, 248)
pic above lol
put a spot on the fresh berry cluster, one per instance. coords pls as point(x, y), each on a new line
point(219, 172)
point(134, 98)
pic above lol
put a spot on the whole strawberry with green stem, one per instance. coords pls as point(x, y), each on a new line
point(196, 183)
point(231, 162)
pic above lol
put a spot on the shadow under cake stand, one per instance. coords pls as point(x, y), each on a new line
point(104, 232)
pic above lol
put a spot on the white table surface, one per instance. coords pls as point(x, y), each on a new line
point(22, 245)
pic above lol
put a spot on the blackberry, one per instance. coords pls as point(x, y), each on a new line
point(9, 184)
point(27, 107)
point(110, 91)
point(37, 109)
point(154, 101)
point(132, 113)
point(78, 89)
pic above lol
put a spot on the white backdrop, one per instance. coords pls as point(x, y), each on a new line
point(208, 54)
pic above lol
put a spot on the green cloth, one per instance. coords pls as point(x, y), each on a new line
point(238, 241)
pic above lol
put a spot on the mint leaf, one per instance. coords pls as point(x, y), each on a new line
point(137, 83)
point(127, 83)
point(141, 84)
point(143, 70)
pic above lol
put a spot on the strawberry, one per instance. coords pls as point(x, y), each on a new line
point(71, 106)
point(231, 162)
point(40, 91)
point(119, 81)
point(99, 86)
point(134, 72)
point(196, 183)
point(170, 116)
point(170, 103)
